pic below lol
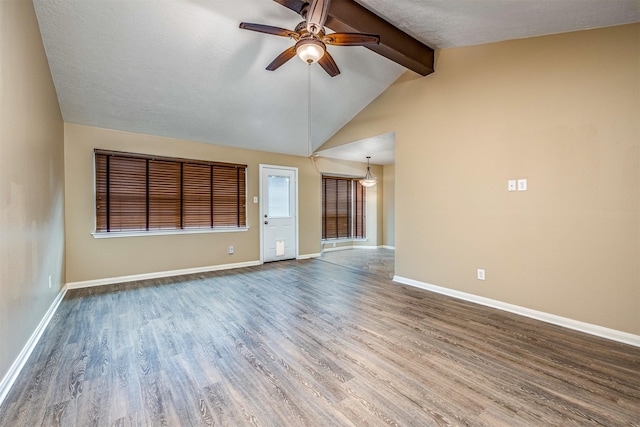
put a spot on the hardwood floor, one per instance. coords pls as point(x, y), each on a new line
point(380, 261)
point(309, 343)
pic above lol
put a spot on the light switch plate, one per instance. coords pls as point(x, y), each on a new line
point(255, 199)
point(511, 185)
point(480, 274)
point(522, 185)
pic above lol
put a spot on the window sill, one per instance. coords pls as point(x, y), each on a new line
point(115, 234)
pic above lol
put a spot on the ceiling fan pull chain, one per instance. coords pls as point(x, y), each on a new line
point(309, 108)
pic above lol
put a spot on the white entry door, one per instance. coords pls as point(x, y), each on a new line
point(278, 212)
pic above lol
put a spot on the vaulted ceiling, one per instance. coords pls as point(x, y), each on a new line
point(184, 69)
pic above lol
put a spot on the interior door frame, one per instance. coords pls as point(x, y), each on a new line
point(261, 168)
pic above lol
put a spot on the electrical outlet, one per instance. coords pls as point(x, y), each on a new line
point(480, 274)
point(522, 185)
point(255, 199)
point(511, 185)
point(230, 250)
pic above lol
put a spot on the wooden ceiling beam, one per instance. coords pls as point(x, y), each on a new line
point(350, 17)
point(347, 16)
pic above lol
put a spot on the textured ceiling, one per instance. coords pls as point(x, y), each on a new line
point(381, 148)
point(183, 68)
point(455, 23)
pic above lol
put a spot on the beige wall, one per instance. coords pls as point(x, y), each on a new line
point(89, 258)
point(389, 206)
point(562, 111)
point(31, 181)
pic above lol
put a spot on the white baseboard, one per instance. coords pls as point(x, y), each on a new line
point(21, 360)
point(342, 248)
point(309, 256)
point(337, 248)
point(577, 325)
point(157, 275)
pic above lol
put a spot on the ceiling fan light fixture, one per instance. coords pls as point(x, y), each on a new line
point(310, 50)
point(368, 180)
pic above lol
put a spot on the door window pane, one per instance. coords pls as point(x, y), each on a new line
point(278, 196)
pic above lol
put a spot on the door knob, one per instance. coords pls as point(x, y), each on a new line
point(266, 222)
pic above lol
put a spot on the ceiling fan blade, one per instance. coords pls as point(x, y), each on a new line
point(329, 65)
point(295, 5)
point(317, 15)
point(282, 58)
point(268, 29)
point(349, 16)
point(350, 39)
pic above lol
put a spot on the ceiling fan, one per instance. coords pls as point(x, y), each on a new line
point(311, 39)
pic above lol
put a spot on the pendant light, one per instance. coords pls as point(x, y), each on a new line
point(368, 180)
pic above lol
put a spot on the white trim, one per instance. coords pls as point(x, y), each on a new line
point(577, 325)
point(309, 256)
point(21, 360)
point(342, 248)
point(145, 276)
point(293, 169)
point(393, 248)
point(343, 240)
point(337, 248)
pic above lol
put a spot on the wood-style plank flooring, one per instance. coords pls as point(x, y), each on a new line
point(380, 261)
point(309, 343)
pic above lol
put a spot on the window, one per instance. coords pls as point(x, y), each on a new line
point(136, 192)
point(344, 208)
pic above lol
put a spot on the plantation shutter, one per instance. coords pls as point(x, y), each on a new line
point(138, 192)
